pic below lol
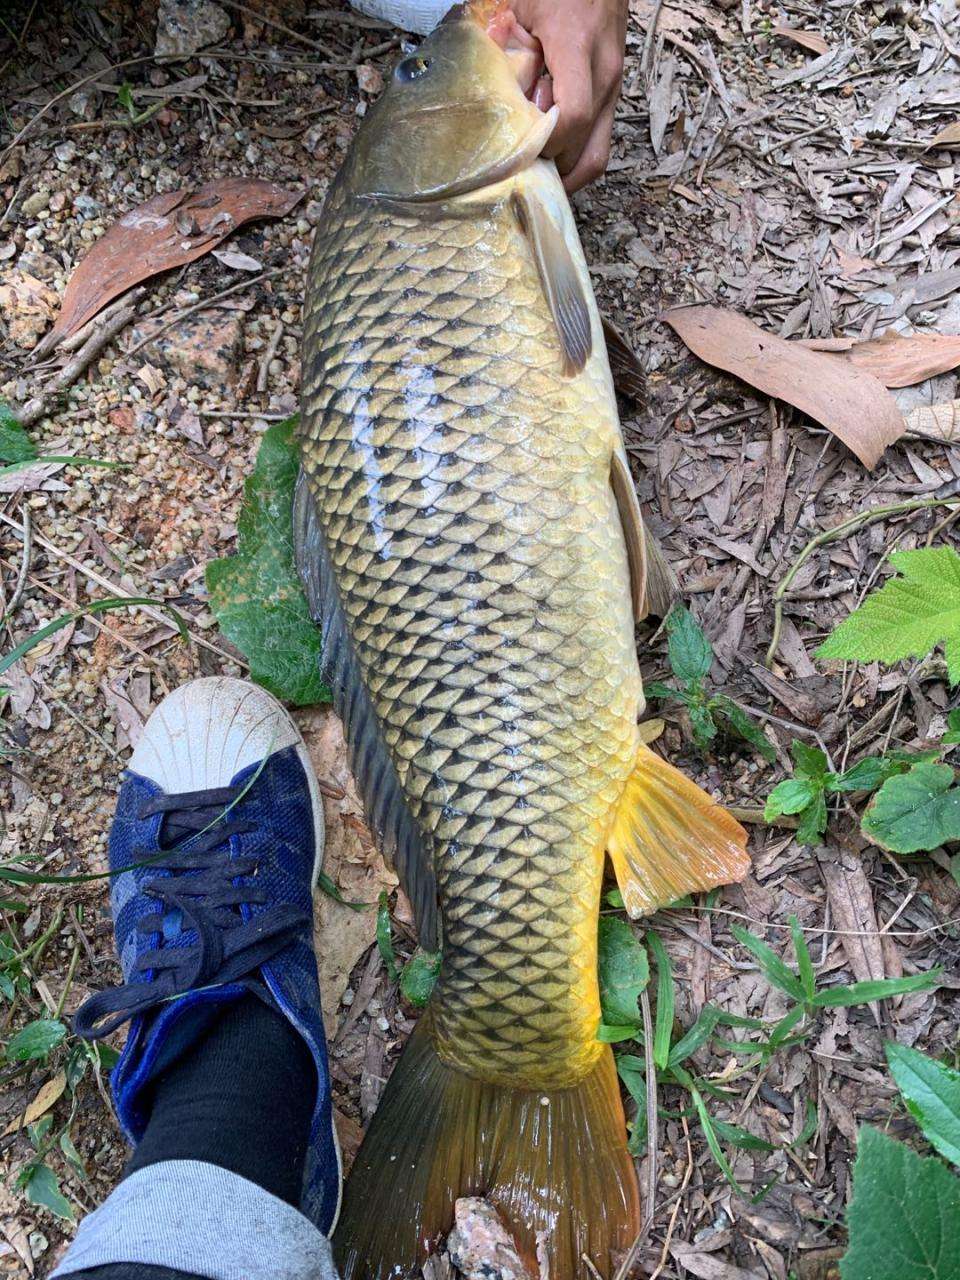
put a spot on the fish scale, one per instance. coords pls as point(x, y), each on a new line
point(462, 486)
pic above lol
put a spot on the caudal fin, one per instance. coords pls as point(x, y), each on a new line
point(670, 838)
point(553, 1162)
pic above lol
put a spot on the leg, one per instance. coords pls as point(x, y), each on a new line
point(223, 1083)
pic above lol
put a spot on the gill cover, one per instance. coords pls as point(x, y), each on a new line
point(451, 118)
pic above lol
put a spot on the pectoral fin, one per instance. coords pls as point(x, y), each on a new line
point(560, 280)
point(670, 838)
point(653, 587)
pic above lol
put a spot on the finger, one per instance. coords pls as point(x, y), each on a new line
point(543, 93)
point(573, 94)
point(593, 160)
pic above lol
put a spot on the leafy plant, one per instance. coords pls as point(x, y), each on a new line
point(256, 594)
point(908, 615)
point(904, 1217)
point(691, 656)
point(805, 793)
point(917, 811)
point(671, 1057)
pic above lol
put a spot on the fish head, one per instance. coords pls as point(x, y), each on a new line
point(454, 116)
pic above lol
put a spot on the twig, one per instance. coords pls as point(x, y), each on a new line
point(24, 563)
point(671, 1226)
point(202, 305)
point(646, 57)
point(103, 334)
point(829, 535)
point(278, 26)
point(263, 376)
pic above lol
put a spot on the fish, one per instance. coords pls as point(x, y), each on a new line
point(470, 542)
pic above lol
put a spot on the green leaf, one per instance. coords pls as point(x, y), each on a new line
point(702, 723)
point(931, 1091)
point(125, 98)
point(864, 992)
point(804, 963)
point(915, 810)
point(792, 795)
point(953, 727)
point(608, 1033)
point(698, 1035)
point(15, 444)
point(813, 821)
point(72, 1155)
point(419, 976)
point(713, 1142)
point(688, 648)
point(867, 774)
point(904, 1218)
point(657, 689)
point(624, 972)
point(36, 1040)
point(810, 762)
point(632, 1071)
point(908, 615)
point(743, 725)
point(663, 1025)
point(385, 938)
point(773, 968)
point(256, 595)
point(42, 1188)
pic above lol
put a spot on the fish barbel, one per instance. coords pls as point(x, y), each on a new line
point(470, 540)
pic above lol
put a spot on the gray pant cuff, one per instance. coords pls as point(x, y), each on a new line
point(203, 1220)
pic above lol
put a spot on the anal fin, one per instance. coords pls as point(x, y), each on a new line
point(670, 838)
point(653, 586)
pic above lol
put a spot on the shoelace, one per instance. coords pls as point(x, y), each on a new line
point(205, 900)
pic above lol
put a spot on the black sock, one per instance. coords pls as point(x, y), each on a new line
point(242, 1098)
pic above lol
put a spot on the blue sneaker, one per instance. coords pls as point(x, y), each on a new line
point(215, 849)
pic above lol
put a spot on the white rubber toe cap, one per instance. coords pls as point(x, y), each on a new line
point(202, 734)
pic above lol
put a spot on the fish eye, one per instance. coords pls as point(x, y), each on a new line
point(412, 68)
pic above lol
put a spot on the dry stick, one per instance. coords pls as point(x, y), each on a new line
point(829, 535)
point(646, 57)
point(73, 341)
point(671, 1227)
point(278, 26)
point(264, 374)
point(103, 334)
point(650, 1071)
point(156, 614)
point(201, 306)
point(24, 563)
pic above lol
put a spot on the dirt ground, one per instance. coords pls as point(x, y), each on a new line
point(786, 177)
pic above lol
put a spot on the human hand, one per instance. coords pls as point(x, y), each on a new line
point(583, 43)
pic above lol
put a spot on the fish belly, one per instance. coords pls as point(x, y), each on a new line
point(462, 484)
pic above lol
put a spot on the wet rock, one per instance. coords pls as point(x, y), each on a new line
point(184, 26)
point(204, 348)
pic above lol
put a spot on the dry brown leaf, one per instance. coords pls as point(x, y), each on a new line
point(847, 400)
point(350, 859)
point(897, 359)
point(166, 231)
point(936, 421)
point(851, 901)
point(42, 1103)
point(948, 137)
point(811, 40)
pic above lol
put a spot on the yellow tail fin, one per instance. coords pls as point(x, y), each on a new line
point(670, 838)
point(553, 1163)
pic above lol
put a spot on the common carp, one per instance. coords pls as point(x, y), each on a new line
point(470, 540)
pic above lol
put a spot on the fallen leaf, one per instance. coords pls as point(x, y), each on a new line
point(236, 260)
point(42, 1103)
point(948, 137)
point(896, 359)
point(851, 900)
point(168, 230)
point(349, 1137)
point(27, 305)
point(848, 401)
point(351, 860)
point(811, 40)
point(936, 421)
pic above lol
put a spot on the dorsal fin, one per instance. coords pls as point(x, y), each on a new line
point(560, 280)
point(385, 804)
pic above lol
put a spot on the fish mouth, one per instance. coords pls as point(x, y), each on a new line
point(499, 21)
